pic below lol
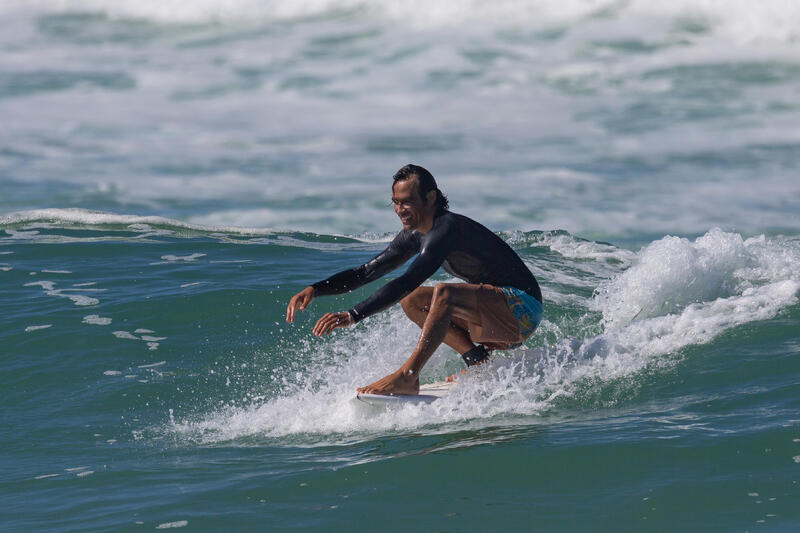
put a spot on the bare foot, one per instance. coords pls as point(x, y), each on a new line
point(397, 382)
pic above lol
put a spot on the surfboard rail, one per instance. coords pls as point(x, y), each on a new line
point(428, 393)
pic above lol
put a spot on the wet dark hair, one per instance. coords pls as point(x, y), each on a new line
point(426, 184)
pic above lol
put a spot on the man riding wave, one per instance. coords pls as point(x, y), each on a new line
point(498, 307)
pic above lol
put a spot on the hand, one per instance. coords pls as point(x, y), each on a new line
point(299, 301)
point(331, 321)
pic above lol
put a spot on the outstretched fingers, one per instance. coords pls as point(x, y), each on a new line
point(299, 302)
point(331, 321)
point(294, 305)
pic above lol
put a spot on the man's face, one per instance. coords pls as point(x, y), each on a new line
point(407, 203)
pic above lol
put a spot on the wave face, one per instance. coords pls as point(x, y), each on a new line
point(144, 344)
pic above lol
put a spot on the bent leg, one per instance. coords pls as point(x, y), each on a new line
point(448, 301)
point(417, 306)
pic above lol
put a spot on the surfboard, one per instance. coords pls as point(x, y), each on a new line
point(430, 392)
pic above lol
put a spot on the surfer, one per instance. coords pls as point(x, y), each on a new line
point(498, 307)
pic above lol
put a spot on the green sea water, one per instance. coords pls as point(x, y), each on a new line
point(150, 381)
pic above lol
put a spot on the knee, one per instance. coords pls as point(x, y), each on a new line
point(415, 301)
point(442, 294)
point(407, 303)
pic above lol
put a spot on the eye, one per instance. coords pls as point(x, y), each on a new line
point(407, 204)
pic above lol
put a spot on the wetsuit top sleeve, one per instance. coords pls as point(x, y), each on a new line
point(398, 252)
point(435, 246)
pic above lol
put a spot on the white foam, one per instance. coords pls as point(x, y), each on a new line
point(153, 365)
point(77, 299)
point(170, 525)
point(46, 285)
point(739, 19)
point(80, 300)
point(673, 272)
point(185, 258)
point(96, 320)
point(630, 348)
point(112, 373)
point(569, 246)
point(125, 335)
point(56, 272)
point(597, 261)
point(20, 235)
point(85, 217)
point(36, 328)
point(140, 227)
point(142, 330)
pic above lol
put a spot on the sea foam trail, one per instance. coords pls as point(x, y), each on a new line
point(25, 225)
point(85, 217)
point(677, 293)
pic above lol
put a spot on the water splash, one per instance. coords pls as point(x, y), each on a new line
point(733, 282)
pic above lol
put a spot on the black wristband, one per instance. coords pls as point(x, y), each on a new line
point(354, 315)
point(476, 355)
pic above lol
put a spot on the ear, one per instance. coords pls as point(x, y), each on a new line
point(430, 198)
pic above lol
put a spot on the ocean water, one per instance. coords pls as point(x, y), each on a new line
point(171, 173)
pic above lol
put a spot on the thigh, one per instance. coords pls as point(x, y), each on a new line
point(420, 297)
point(484, 310)
point(468, 298)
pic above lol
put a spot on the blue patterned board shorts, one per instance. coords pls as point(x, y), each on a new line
point(526, 308)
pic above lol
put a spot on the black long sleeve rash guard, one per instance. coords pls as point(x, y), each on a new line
point(463, 247)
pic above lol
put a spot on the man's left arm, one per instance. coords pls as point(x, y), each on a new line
point(423, 267)
point(395, 254)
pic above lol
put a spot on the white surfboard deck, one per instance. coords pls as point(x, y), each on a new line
point(428, 393)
